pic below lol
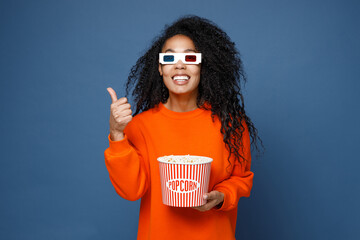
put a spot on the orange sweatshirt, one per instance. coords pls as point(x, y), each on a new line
point(134, 172)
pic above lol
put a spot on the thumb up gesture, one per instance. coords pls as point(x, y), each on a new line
point(120, 115)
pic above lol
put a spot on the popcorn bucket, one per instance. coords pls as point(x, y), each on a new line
point(184, 179)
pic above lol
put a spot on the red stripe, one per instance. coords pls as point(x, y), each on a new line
point(164, 190)
point(191, 193)
point(201, 178)
point(175, 175)
point(193, 177)
point(206, 188)
point(176, 195)
point(172, 177)
point(162, 181)
point(169, 177)
point(187, 177)
point(161, 177)
point(196, 191)
point(179, 195)
point(197, 180)
point(208, 173)
point(183, 176)
point(204, 180)
point(166, 180)
point(202, 183)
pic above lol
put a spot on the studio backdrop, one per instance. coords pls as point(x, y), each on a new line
point(58, 57)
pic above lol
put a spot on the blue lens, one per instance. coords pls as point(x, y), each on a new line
point(169, 58)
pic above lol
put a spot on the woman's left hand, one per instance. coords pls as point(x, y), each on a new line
point(213, 199)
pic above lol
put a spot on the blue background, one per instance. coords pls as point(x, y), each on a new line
point(58, 57)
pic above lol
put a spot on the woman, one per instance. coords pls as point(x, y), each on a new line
point(183, 106)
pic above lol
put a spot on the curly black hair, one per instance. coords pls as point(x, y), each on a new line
point(222, 75)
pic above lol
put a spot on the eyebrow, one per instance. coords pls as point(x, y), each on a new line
point(187, 50)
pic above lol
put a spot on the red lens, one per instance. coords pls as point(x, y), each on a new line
point(190, 58)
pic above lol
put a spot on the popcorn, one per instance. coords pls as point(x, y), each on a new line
point(184, 159)
point(184, 179)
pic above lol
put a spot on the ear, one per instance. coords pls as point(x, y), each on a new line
point(160, 69)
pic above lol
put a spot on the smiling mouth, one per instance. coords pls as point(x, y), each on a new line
point(181, 80)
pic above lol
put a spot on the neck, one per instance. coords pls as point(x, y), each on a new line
point(181, 103)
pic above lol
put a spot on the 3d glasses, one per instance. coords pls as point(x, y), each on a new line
point(186, 58)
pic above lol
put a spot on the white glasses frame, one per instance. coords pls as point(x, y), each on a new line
point(166, 58)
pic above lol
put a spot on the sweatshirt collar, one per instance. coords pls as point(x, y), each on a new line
point(179, 115)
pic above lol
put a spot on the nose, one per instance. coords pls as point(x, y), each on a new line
point(180, 65)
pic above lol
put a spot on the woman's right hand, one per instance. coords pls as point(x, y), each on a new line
point(120, 115)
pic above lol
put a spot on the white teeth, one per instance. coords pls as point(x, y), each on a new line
point(181, 78)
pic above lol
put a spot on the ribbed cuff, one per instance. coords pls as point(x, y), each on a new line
point(118, 147)
point(226, 204)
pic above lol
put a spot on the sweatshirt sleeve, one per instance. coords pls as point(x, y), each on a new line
point(126, 162)
point(240, 182)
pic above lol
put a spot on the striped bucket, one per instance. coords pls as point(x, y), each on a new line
point(184, 179)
